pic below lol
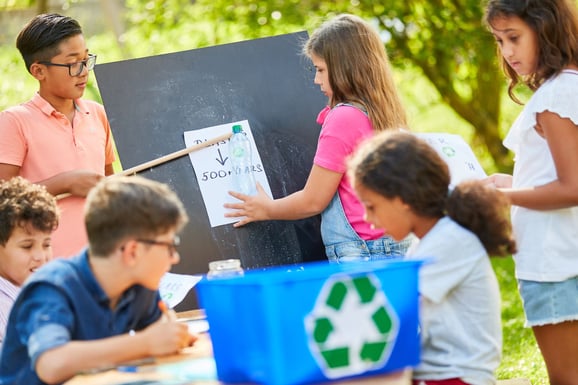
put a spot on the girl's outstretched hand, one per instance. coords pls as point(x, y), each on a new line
point(499, 180)
point(251, 207)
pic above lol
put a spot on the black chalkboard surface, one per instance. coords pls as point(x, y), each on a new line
point(151, 101)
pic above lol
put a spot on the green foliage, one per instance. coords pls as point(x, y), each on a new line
point(192, 26)
point(13, 87)
point(15, 4)
point(444, 39)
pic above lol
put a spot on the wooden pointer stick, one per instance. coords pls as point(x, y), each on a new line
point(166, 158)
point(174, 155)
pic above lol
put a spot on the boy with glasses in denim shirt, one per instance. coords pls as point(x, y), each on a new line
point(101, 308)
point(57, 139)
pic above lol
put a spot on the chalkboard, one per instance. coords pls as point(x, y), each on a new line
point(151, 101)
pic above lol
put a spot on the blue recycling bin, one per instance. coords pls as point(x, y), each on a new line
point(314, 323)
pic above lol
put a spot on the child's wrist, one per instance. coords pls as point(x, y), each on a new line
point(138, 343)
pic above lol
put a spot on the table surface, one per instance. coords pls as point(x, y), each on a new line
point(195, 355)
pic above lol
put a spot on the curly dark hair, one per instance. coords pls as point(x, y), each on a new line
point(484, 211)
point(23, 203)
point(399, 164)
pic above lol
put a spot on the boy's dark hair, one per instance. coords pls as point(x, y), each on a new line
point(556, 25)
point(121, 207)
point(25, 204)
point(40, 37)
point(399, 164)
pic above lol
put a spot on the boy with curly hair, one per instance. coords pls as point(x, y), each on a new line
point(28, 216)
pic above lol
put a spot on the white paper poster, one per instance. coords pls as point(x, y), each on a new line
point(174, 287)
point(459, 156)
point(213, 169)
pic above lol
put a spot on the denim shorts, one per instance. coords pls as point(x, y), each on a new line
point(355, 251)
point(549, 302)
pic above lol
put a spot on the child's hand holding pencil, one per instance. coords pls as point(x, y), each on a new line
point(168, 314)
point(167, 335)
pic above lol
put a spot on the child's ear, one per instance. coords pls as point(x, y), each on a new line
point(38, 71)
point(129, 252)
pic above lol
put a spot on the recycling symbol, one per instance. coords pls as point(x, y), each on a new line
point(449, 151)
point(353, 327)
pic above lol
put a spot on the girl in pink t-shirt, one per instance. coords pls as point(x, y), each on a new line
point(353, 71)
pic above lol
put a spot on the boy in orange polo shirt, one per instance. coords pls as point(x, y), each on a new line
point(56, 139)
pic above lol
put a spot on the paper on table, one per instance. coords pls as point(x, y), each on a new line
point(458, 155)
point(174, 287)
point(198, 326)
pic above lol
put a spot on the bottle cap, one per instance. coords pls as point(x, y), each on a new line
point(237, 128)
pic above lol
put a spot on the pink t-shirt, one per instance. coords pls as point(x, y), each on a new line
point(343, 128)
point(43, 143)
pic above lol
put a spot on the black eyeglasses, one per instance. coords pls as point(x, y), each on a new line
point(75, 69)
point(172, 246)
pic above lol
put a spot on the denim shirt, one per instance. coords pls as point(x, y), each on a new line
point(64, 302)
point(343, 244)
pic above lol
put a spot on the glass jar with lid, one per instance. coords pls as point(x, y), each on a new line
point(225, 268)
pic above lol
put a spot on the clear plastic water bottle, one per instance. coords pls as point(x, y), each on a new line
point(241, 164)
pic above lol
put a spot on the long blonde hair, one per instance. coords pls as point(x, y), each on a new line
point(359, 69)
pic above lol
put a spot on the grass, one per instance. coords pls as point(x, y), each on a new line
point(521, 357)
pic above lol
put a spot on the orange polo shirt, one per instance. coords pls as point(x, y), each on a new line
point(43, 143)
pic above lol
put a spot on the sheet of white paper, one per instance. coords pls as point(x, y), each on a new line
point(213, 169)
point(174, 287)
point(459, 156)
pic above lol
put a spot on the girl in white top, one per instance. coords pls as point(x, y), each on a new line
point(538, 41)
point(403, 185)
